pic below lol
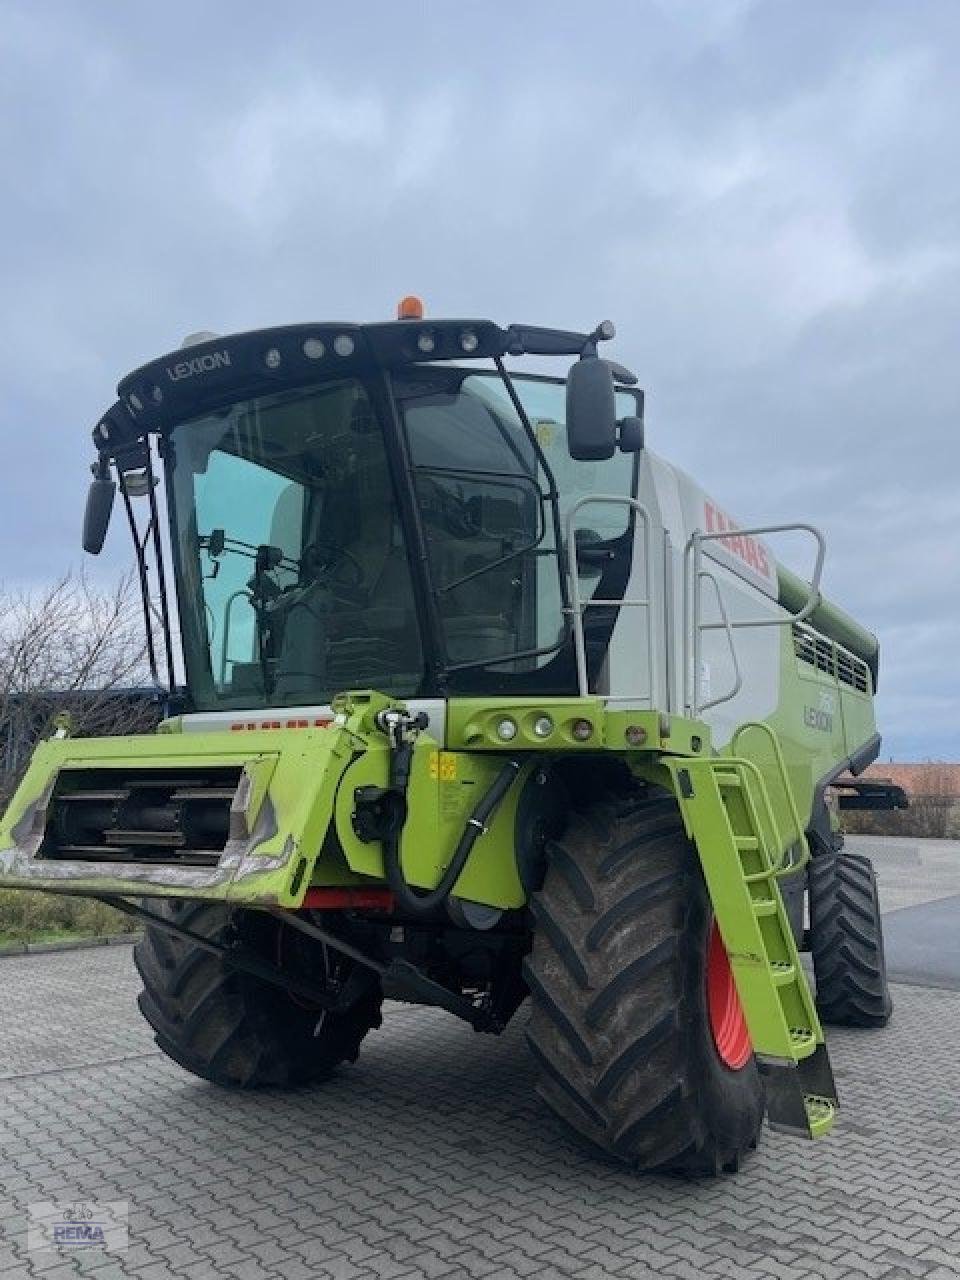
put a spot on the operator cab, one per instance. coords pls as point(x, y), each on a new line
point(348, 508)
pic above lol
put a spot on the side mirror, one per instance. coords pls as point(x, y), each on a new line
point(591, 411)
point(96, 517)
point(630, 435)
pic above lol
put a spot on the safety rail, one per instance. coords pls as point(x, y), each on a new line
point(578, 606)
point(783, 843)
point(227, 617)
point(694, 574)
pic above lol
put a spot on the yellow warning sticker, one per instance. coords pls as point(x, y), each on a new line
point(443, 766)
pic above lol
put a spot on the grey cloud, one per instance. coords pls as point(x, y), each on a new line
point(763, 196)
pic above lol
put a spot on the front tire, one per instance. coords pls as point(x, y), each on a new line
point(231, 1028)
point(618, 976)
point(846, 939)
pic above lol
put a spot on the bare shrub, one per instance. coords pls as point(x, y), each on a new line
point(78, 650)
point(71, 648)
point(933, 811)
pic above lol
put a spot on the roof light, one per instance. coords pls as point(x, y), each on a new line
point(410, 308)
point(426, 342)
point(343, 344)
point(314, 349)
point(134, 401)
point(195, 339)
point(272, 358)
point(469, 341)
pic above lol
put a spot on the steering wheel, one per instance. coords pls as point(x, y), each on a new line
point(324, 558)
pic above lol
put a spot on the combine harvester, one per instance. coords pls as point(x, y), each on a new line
point(482, 700)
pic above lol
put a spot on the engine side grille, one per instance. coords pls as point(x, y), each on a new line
point(176, 817)
point(833, 659)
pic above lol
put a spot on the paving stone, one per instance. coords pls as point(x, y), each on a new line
point(431, 1157)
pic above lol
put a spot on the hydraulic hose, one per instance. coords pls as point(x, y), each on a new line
point(414, 900)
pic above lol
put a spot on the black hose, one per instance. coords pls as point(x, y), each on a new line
point(413, 900)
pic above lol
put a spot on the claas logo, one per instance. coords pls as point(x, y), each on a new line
point(747, 549)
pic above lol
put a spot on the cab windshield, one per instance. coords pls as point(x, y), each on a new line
point(294, 572)
point(294, 581)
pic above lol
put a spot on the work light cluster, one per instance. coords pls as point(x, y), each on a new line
point(543, 727)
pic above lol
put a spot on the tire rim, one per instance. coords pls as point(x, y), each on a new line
point(728, 1026)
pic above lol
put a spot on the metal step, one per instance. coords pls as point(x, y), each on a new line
point(764, 907)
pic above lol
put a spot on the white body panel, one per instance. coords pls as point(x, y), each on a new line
point(746, 577)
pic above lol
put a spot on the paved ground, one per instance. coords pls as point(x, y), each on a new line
point(911, 871)
point(432, 1157)
point(920, 889)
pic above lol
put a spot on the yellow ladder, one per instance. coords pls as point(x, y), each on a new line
point(728, 816)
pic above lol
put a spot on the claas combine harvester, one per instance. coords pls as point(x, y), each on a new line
point(471, 700)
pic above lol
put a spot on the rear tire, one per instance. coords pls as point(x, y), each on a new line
point(846, 939)
point(230, 1027)
point(620, 1026)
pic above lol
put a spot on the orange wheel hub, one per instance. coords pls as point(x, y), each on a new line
point(727, 1023)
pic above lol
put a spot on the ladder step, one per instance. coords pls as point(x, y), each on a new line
point(726, 778)
point(747, 844)
point(802, 1041)
point(756, 876)
point(764, 907)
point(782, 972)
point(790, 1108)
point(821, 1113)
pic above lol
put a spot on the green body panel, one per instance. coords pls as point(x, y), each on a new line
point(280, 814)
point(294, 782)
point(472, 725)
point(819, 722)
point(444, 788)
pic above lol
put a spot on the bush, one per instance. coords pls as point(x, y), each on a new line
point(934, 816)
point(26, 915)
point(73, 649)
point(77, 649)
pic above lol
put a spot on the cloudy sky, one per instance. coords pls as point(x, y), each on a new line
point(764, 196)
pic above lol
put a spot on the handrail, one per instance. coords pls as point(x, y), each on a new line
point(578, 605)
point(228, 610)
point(705, 574)
point(794, 812)
point(694, 626)
point(750, 768)
point(697, 539)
